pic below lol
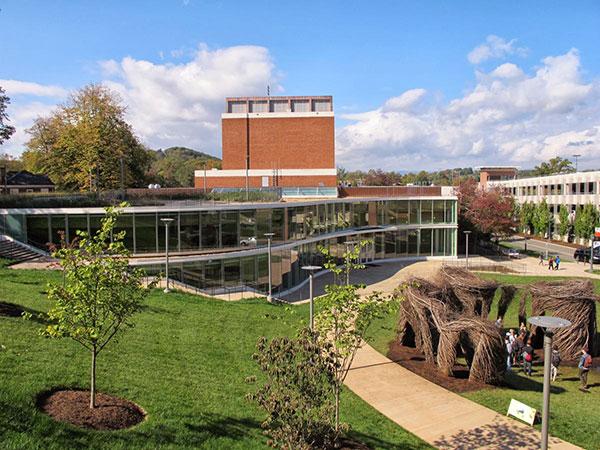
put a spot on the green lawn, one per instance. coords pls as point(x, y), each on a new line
point(185, 363)
point(575, 416)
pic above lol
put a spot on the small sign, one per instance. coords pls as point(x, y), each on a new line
point(521, 411)
point(597, 231)
point(265, 182)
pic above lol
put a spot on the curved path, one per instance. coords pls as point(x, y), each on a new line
point(440, 417)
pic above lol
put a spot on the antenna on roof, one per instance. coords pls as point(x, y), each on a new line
point(268, 90)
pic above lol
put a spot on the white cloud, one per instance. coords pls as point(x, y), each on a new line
point(16, 87)
point(180, 104)
point(509, 116)
point(494, 47)
point(167, 104)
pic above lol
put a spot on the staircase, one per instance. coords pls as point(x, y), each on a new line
point(16, 251)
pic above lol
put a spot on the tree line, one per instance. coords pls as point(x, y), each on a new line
point(87, 145)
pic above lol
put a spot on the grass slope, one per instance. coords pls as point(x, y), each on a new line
point(185, 363)
point(575, 416)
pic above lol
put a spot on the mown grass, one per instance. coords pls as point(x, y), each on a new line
point(185, 363)
point(575, 416)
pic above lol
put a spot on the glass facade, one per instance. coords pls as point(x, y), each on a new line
point(396, 228)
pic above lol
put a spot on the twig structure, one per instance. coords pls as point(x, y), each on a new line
point(448, 314)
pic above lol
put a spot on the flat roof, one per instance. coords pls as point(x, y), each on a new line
point(279, 97)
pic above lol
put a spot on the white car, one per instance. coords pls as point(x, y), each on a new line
point(245, 242)
point(512, 253)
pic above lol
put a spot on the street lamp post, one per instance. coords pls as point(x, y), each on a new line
point(548, 324)
point(576, 156)
point(269, 236)
point(592, 254)
point(467, 233)
point(167, 221)
point(311, 271)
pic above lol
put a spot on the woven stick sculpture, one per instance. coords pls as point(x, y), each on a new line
point(575, 301)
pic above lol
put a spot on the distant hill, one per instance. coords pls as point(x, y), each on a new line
point(175, 166)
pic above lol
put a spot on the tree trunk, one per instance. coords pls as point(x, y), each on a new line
point(93, 380)
point(337, 409)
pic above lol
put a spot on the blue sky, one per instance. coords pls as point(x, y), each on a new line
point(365, 54)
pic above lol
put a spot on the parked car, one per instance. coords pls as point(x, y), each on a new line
point(246, 242)
point(583, 255)
point(512, 253)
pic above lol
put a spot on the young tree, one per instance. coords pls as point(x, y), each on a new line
point(6, 131)
point(586, 219)
point(81, 145)
point(526, 216)
point(298, 391)
point(100, 293)
point(344, 319)
point(563, 217)
point(541, 218)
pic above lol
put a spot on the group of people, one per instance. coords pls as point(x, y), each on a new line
point(520, 353)
point(553, 262)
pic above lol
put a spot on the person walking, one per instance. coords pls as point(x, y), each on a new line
point(509, 352)
point(528, 357)
point(555, 363)
point(517, 349)
point(556, 262)
point(551, 263)
point(585, 364)
point(541, 263)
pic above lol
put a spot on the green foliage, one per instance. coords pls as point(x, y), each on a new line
point(541, 218)
point(563, 217)
point(554, 165)
point(81, 145)
point(586, 219)
point(345, 316)
point(298, 392)
point(100, 293)
point(379, 177)
point(6, 131)
point(175, 166)
point(526, 216)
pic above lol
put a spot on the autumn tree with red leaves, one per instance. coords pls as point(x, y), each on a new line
point(487, 211)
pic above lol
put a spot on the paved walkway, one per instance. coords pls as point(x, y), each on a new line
point(440, 417)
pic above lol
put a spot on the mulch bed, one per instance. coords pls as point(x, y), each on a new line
point(414, 361)
point(72, 406)
point(10, 310)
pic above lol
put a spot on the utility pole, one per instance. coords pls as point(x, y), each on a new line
point(247, 149)
point(576, 156)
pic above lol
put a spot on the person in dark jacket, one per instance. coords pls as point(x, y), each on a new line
point(528, 357)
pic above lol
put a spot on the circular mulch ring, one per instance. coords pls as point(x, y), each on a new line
point(73, 406)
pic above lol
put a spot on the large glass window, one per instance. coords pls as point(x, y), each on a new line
point(390, 244)
point(310, 220)
point(296, 223)
point(213, 275)
point(425, 248)
point(360, 214)
point(145, 233)
point(248, 226)
point(439, 211)
point(450, 206)
point(209, 234)
point(231, 272)
point(57, 224)
point(278, 224)
point(415, 212)
point(248, 267)
point(438, 242)
point(229, 229)
point(37, 231)
point(413, 242)
point(401, 243)
point(189, 231)
point(263, 224)
point(125, 223)
point(426, 211)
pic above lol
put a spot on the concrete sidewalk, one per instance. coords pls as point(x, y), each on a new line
point(440, 417)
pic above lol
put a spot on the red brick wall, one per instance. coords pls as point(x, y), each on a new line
point(255, 182)
point(287, 143)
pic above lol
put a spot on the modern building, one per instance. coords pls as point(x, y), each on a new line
point(23, 182)
point(571, 189)
point(282, 142)
point(223, 246)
